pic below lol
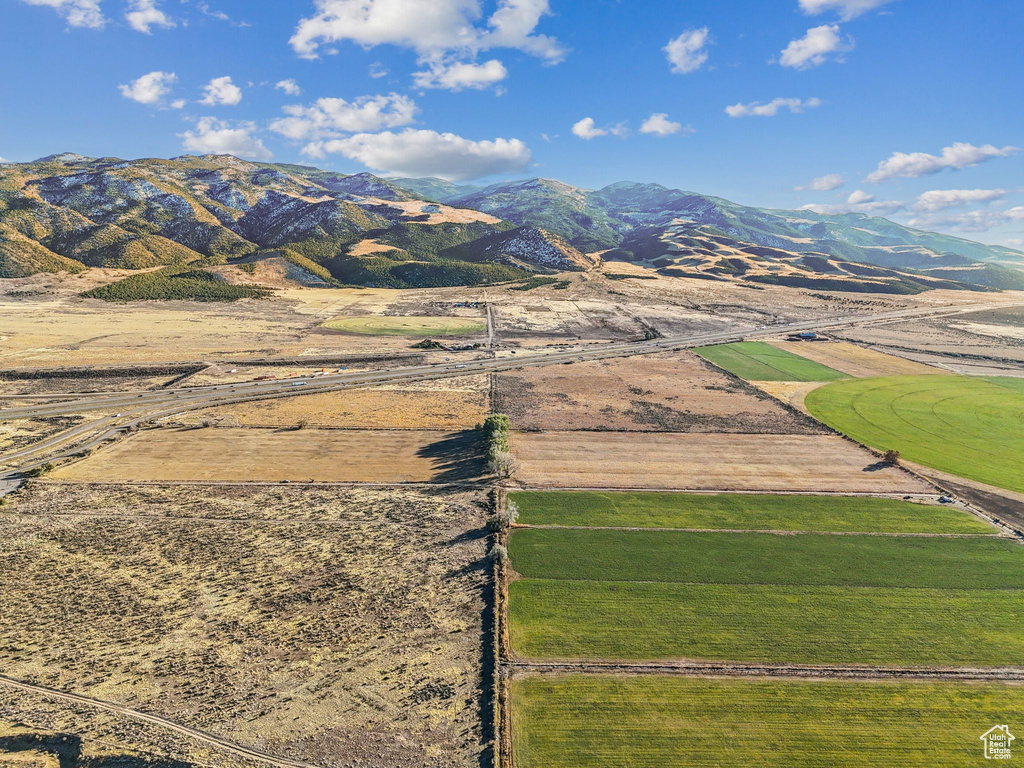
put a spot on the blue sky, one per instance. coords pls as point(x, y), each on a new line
point(910, 109)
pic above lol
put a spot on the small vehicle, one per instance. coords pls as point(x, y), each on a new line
point(117, 415)
point(299, 383)
point(460, 365)
point(945, 500)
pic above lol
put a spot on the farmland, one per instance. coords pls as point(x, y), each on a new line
point(304, 622)
point(855, 360)
point(617, 460)
point(758, 361)
point(406, 326)
point(229, 454)
point(740, 512)
point(971, 427)
point(650, 722)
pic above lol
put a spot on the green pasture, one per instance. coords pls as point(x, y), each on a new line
point(758, 361)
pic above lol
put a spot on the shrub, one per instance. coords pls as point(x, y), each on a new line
point(499, 554)
point(41, 470)
point(891, 457)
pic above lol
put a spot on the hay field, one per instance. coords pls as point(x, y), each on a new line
point(672, 393)
point(972, 427)
point(226, 454)
point(704, 462)
point(855, 360)
point(351, 630)
point(658, 721)
point(424, 327)
point(759, 361)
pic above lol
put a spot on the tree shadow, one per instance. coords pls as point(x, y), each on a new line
point(458, 457)
point(878, 466)
point(67, 748)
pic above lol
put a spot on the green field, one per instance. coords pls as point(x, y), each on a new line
point(658, 722)
point(971, 427)
point(757, 361)
point(379, 325)
point(811, 625)
point(737, 511)
point(764, 558)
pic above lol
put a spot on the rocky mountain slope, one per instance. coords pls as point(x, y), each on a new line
point(67, 212)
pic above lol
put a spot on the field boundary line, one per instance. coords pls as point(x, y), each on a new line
point(769, 532)
point(754, 669)
point(162, 722)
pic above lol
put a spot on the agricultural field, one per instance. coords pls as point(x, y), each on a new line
point(856, 361)
point(303, 622)
point(736, 511)
point(231, 454)
point(656, 721)
point(760, 361)
point(664, 393)
point(971, 427)
point(617, 460)
point(420, 327)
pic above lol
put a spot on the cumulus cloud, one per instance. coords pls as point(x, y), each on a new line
point(771, 109)
point(428, 153)
point(289, 86)
point(858, 202)
point(459, 75)
point(660, 125)
point(150, 89)
point(218, 137)
point(823, 184)
point(971, 221)
point(688, 52)
point(77, 13)
point(329, 117)
point(220, 90)
point(816, 47)
point(940, 199)
point(143, 15)
point(847, 9)
point(434, 29)
point(916, 164)
point(586, 129)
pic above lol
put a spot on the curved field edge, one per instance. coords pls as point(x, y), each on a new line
point(971, 427)
point(765, 623)
point(740, 511)
point(405, 326)
point(653, 721)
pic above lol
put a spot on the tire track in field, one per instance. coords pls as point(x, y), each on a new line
point(161, 722)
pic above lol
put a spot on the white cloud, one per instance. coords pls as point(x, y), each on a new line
point(815, 48)
point(428, 153)
point(142, 15)
point(461, 75)
point(151, 89)
point(823, 184)
point(917, 164)
point(659, 124)
point(971, 221)
point(688, 52)
point(1015, 242)
point(858, 202)
point(378, 70)
point(218, 137)
point(220, 90)
point(860, 197)
point(77, 13)
point(847, 9)
point(430, 28)
point(585, 129)
point(771, 109)
point(940, 199)
point(289, 86)
point(328, 117)
point(178, 104)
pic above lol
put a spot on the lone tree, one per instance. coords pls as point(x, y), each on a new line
point(891, 457)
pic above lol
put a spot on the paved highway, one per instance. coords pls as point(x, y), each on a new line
point(136, 407)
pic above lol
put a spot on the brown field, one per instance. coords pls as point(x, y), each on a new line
point(666, 393)
point(21, 433)
point(450, 408)
point(348, 635)
point(791, 392)
point(704, 462)
point(855, 360)
point(225, 454)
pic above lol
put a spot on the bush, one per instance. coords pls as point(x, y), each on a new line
point(499, 554)
point(503, 464)
point(40, 471)
point(891, 457)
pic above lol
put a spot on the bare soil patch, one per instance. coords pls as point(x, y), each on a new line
point(705, 462)
point(666, 393)
point(215, 454)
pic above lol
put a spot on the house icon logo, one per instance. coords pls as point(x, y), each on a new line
point(997, 742)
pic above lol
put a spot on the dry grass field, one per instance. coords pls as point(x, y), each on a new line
point(228, 454)
point(341, 628)
point(21, 433)
point(447, 404)
point(704, 462)
point(854, 360)
point(670, 393)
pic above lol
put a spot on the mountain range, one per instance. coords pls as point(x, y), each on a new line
point(67, 213)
